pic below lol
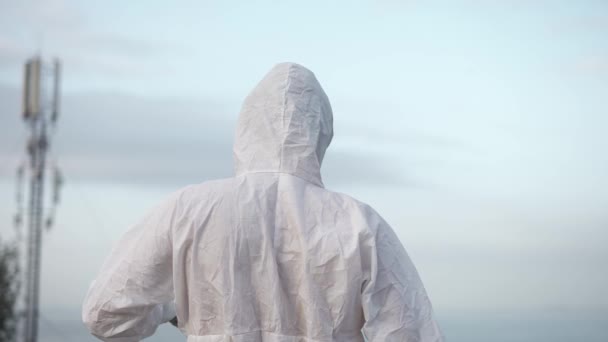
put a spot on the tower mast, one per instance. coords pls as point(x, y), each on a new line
point(40, 112)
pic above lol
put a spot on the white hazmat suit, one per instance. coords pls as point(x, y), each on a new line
point(268, 255)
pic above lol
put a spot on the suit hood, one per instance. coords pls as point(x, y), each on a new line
point(285, 125)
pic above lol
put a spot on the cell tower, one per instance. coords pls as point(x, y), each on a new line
point(40, 113)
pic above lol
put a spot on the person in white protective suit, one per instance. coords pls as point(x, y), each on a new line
point(268, 255)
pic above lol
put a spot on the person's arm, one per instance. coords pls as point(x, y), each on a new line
point(395, 304)
point(133, 293)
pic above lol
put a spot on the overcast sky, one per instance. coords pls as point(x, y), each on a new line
point(477, 128)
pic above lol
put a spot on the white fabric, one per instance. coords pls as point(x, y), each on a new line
point(269, 255)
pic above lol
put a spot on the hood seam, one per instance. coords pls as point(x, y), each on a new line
point(284, 110)
point(320, 185)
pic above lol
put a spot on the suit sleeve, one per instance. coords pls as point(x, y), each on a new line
point(395, 304)
point(133, 292)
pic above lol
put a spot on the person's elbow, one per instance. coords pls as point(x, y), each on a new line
point(91, 319)
point(100, 322)
point(109, 321)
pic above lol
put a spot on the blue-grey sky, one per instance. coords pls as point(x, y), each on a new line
point(475, 127)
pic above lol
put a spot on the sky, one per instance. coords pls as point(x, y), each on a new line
point(475, 127)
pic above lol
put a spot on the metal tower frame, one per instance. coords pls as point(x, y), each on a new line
point(40, 111)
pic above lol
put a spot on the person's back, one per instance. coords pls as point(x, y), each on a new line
point(268, 255)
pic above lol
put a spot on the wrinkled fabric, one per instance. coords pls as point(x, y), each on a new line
point(269, 255)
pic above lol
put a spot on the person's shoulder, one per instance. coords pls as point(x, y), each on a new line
point(345, 200)
point(210, 185)
point(200, 191)
point(366, 221)
point(354, 206)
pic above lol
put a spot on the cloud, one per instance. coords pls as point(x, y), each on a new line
point(395, 4)
point(59, 28)
point(11, 52)
point(56, 15)
point(342, 167)
point(593, 65)
point(581, 25)
point(114, 137)
point(96, 54)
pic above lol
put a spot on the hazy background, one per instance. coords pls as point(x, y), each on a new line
point(476, 128)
